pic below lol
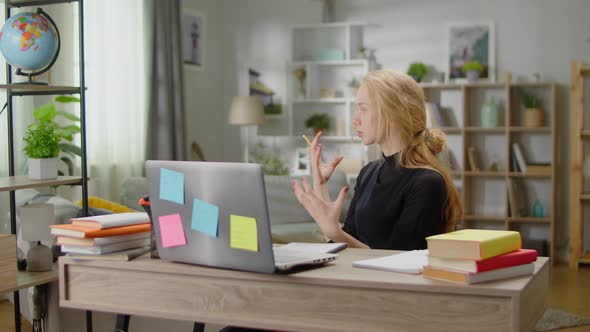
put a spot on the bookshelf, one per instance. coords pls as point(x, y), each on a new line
point(12, 182)
point(579, 191)
point(484, 191)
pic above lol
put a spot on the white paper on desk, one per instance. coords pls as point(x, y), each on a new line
point(411, 262)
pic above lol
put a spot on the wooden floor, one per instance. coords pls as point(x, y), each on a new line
point(569, 291)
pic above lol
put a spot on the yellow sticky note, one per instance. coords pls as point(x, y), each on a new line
point(243, 234)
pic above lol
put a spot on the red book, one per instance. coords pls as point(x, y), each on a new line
point(518, 257)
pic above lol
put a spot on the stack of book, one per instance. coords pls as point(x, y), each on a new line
point(120, 236)
point(473, 255)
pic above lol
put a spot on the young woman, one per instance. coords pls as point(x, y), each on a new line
point(400, 199)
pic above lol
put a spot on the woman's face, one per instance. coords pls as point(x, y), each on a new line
point(364, 118)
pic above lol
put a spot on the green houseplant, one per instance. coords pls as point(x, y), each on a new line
point(418, 71)
point(472, 69)
point(533, 114)
point(270, 162)
point(318, 122)
point(42, 149)
point(49, 114)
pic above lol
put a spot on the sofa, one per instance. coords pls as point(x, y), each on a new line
point(290, 222)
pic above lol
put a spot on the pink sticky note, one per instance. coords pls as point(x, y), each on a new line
point(171, 231)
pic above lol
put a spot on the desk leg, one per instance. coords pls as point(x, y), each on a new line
point(122, 324)
point(88, 321)
point(199, 327)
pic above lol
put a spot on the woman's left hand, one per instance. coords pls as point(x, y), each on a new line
point(325, 212)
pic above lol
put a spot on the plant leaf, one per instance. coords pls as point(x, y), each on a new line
point(68, 116)
point(68, 163)
point(45, 112)
point(67, 99)
point(70, 148)
point(67, 131)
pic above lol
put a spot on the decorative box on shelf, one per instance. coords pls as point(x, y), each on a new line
point(7, 258)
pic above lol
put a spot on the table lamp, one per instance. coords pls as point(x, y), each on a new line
point(246, 111)
point(34, 224)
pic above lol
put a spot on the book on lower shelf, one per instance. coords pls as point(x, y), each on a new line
point(472, 159)
point(517, 198)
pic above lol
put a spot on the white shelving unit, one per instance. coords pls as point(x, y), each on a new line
point(329, 54)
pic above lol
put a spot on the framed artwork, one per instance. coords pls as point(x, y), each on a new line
point(193, 39)
point(471, 41)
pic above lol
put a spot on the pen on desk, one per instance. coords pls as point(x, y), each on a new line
point(306, 139)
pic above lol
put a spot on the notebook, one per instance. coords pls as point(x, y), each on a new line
point(411, 262)
point(237, 190)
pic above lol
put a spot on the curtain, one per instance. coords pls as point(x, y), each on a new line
point(117, 39)
point(166, 135)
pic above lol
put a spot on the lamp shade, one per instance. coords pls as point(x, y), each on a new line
point(35, 220)
point(246, 110)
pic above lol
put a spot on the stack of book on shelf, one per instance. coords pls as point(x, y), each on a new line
point(120, 236)
point(473, 255)
point(519, 163)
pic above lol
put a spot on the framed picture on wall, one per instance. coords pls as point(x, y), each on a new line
point(471, 41)
point(193, 39)
point(302, 164)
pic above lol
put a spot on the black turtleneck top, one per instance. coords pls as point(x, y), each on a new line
point(396, 208)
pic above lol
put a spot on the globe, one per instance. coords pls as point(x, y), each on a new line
point(29, 41)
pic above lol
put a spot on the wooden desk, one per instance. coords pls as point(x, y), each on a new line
point(336, 297)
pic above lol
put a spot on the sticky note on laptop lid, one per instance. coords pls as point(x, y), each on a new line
point(171, 186)
point(205, 217)
point(243, 233)
point(171, 231)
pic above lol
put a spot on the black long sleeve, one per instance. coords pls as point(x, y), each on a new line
point(395, 207)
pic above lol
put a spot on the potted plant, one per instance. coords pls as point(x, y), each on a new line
point(472, 69)
point(300, 74)
point(271, 163)
point(42, 148)
point(318, 122)
point(353, 86)
point(533, 114)
point(418, 71)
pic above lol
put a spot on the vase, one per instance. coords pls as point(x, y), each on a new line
point(301, 90)
point(533, 117)
point(42, 169)
point(489, 115)
point(472, 76)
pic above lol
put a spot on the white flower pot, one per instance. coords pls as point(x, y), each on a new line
point(43, 169)
point(472, 75)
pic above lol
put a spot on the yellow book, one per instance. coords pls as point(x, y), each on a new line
point(473, 243)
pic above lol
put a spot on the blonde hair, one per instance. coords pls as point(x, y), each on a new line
point(399, 104)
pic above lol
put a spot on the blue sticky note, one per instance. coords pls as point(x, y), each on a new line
point(172, 186)
point(205, 217)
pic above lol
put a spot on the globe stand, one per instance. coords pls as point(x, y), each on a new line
point(30, 76)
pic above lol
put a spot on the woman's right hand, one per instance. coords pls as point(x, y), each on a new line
point(320, 171)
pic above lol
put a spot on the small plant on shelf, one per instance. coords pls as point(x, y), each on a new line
point(300, 75)
point(271, 163)
point(42, 149)
point(418, 71)
point(472, 69)
point(530, 100)
point(318, 122)
point(533, 114)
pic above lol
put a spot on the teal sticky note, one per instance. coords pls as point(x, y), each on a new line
point(205, 217)
point(172, 186)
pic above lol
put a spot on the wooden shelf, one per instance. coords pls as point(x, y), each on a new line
point(530, 220)
point(585, 259)
point(26, 279)
point(323, 101)
point(356, 62)
point(34, 89)
point(489, 174)
point(498, 130)
point(532, 84)
point(585, 70)
point(450, 130)
point(29, 3)
point(443, 86)
point(484, 218)
point(23, 182)
point(529, 175)
point(585, 196)
point(518, 129)
point(585, 133)
point(489, 85)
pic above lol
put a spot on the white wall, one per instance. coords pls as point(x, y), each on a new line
point(531, 36)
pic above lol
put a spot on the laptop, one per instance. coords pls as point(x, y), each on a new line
point(237, 189)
